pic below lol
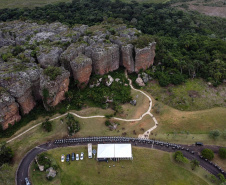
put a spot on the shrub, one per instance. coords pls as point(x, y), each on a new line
point(107, 123)
point(207, 154)
point(222, 153)
point(47, 125)
point(179, 157)
point(6, 154)
point(214, 134)
point(52, 72)
point(73, 125)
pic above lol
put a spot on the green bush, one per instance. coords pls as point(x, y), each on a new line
point(179, 157)
point(47, 126)
point(6, 154)
point(222, 153)
point(52, 72)
point(73, 125)
point(214, 134)
point(107, 123)
point(207, 154)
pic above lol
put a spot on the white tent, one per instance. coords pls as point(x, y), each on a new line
point(117, 151)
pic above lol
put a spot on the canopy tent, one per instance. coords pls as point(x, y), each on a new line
point(117, 151)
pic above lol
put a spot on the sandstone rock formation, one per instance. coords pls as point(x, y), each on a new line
point(55, 88)
point(81, 67)
point(9, 113)
point(27, 49)
point(48, 56)
point(105, 57)
point(144, 57)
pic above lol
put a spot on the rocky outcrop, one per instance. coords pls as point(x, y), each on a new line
point(70, 54)
point(128, 57)
point(27, 49)
point(81, 67)
point(144, 57)
point(105, 57)
point(19, 83)
point(53, 91)
point(48, 56)
point(9, 113)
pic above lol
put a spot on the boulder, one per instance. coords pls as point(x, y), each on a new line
point(145, 77)
point(55, 89)
point(9, 113)
point(109, 81)
point(140, 82)
point(81, 67)
point(144, 57)
point(48, 56)
point(52, 172)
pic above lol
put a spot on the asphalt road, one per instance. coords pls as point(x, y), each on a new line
point(23, 168)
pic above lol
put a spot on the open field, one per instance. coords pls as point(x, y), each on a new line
point(220, 162)
point(193, 95)
point(27, 3)
point(210, 7)
point(155, 168)
point(36, 3)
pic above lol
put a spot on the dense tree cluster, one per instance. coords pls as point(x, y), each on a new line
point(188, 44)
point(6, 154)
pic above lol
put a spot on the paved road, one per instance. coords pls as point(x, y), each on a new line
point(23, 168)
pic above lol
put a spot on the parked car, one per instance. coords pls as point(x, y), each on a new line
point(68, 158)
point(62, 158)
point(81, 156)
point(199, 144)
point(77, 157)
point(27, 181)
point(73, 156)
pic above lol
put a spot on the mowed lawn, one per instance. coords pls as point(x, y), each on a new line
point(148, 167)
point(27, 3)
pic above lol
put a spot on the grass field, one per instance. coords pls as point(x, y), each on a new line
point(27, 3)
point(193, 95)
point(155, 168)
point(36, 3)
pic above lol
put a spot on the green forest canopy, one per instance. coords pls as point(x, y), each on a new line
point(188, 44)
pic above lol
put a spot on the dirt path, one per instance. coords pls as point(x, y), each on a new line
point(144, 135)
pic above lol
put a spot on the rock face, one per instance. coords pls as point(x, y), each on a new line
point(19, 84)
point(70, 54)
point(9, 113)
point(81, 67)
point(105, 57)
point(128, 57)
point(56, 88)
point(144, 57)
point(27, 49)
point(48, 56)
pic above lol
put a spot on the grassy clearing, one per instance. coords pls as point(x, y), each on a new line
point(195, 94)
point(221, 162)
point(155, 168)
point(27, 3)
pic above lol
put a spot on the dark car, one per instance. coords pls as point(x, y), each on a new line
point(73, 156)
point(68, 158)
point(199, 144)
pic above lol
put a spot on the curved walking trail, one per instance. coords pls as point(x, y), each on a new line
point(144, 135)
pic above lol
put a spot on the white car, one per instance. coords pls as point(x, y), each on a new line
point(81, 156)
point(62, 158)
point(77, 157)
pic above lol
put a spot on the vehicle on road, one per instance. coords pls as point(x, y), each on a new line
point(199, 144)
point(62, 158)
point(73, 156)
point(68, 158)
point(27, 181)
point(77, 157)
point(81, 156)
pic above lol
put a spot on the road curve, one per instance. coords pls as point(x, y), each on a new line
point(23, 168)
